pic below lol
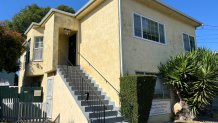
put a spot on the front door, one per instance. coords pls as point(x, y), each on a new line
point(49, 97)
point(72, 49)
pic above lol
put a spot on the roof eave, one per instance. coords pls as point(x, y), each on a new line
point(46, 17)
point(198, 23)
point(84, 7)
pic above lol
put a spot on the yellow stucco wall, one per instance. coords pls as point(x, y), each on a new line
point(61, 40)
point(48, 44)
point(21, 71)
point(144, 55)
point(99, 44)
point(34, 67)
point(67, 107)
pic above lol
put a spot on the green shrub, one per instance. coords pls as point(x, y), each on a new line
point(136, 94)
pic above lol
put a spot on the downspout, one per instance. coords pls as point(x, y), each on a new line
point(120, 38)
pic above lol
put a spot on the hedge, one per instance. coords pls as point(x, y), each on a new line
point(136, 94)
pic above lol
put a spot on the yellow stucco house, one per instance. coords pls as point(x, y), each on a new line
point(79, 58)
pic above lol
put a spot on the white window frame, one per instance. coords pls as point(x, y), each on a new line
point(141, 38)
point(36, 60)
point(189, 41)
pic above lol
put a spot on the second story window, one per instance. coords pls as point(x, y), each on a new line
point(189, 42)
point(148, 29)
point(38, 49)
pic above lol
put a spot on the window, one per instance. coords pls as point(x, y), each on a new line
point(38, 48)
point(148, 29)
point(189, 42)
point(161, 91)
point(137, 26)
point(27, 56)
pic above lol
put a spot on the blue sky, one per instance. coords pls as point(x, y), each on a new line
point(202, 10)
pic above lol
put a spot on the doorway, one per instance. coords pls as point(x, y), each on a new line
point(72, 49)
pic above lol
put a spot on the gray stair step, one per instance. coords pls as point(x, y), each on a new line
point(92, 106)
point(73, 75)
point(98, 108)
point(90, 93)
point(80, 84)
point(75, 88)
point(94, 102)
point(78, 80)
point(91, 97)
point(101, 114)
point(109, 120)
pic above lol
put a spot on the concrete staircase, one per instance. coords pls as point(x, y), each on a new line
point(95, 105)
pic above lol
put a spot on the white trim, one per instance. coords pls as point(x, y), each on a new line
point(158, 22)
point(151, 41)
point(37, 60)
point(34, 41)
point(120, 37)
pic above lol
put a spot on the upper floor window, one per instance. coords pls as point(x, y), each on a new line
point(148, 29)
point(189, 42)
point(38, 48)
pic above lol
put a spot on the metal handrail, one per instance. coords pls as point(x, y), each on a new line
point(107, 81)
point(76, 70)
point(90, 88)
point(99, 73)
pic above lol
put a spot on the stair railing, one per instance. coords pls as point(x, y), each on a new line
point(85, 88)
point(134, 116)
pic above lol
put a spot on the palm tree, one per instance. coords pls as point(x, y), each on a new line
point(194, 77)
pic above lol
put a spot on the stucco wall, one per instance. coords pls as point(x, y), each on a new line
point(99, 44)
point(48, 44)
point(21, 71)
point(61, 40)
point(144, 55)
point(63, 47)
point(67, 107)
point(34, 67)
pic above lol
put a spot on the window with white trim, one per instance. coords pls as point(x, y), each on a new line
point(189, 42)
point(148, 29)
point(38, 49)
point(161, 91)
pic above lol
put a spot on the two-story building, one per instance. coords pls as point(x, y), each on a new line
point(106, 39)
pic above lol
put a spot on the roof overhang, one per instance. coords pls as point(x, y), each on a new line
point(164, 8)
point(79, 14)
point(94, 3)
point(46, 17)
point(91, 5)
point(198, 23)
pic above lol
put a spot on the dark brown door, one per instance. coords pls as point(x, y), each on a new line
point(72, 50)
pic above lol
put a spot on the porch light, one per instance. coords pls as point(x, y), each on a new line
point(67, 31)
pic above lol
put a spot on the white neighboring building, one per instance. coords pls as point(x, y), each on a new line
point(7, 79)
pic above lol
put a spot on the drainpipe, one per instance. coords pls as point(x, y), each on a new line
point(120, 38)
